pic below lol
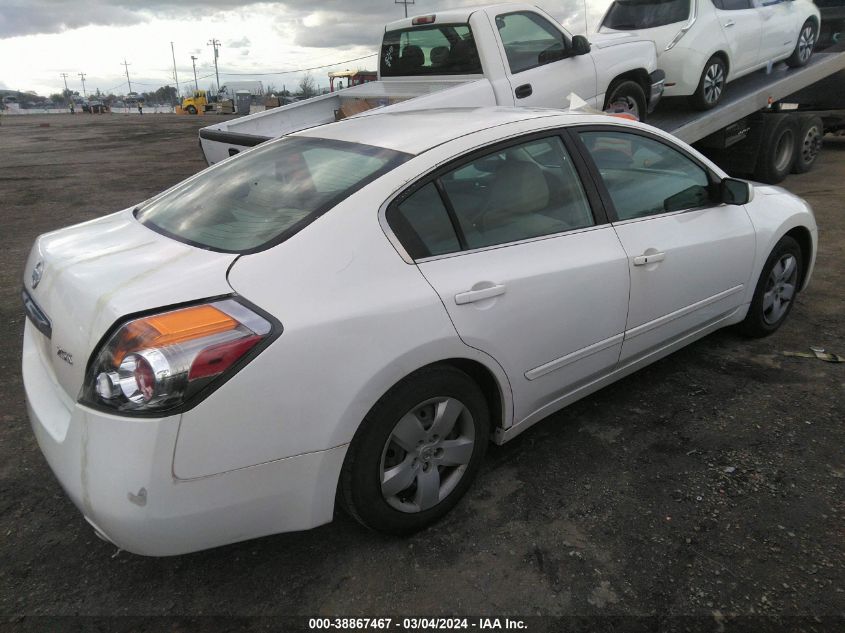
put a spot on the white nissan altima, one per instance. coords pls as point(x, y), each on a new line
point(351, 313)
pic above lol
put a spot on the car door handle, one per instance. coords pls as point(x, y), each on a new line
point(729, 23)
point(525, 90)
point(651, 258)
point(470, 296)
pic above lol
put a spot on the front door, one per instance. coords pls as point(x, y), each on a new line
point(543, 73)
point(741, 23)
point(690, 258)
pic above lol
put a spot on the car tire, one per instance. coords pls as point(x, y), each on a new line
point(807, 38)
point(192, 110)
point(781, 276)
point(627, 96)
point(777, 148)
point(711, 85)
point(808, 144)
point(399, 437)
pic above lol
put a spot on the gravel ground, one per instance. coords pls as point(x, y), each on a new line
point(707, 490)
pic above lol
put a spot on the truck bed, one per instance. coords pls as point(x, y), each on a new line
point(744, 97)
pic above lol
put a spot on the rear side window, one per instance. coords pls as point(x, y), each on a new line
point(625, 15)
point(267, 195)
point(444, 49)
point(646, 177)
point(422, 224)
point(513, 194)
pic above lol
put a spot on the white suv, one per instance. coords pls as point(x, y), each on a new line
point(703, 44)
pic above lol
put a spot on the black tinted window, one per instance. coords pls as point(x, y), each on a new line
point(646, 177)
point(732, 5)
point(517, 193)
point(530, 40)
point(422, 224)
point(445, 49)
point(643, 14)
point(267, 194)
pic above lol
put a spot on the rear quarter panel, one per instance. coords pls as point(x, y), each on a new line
point(357, 319)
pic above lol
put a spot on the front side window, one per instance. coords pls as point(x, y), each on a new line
point(266, 195)
point(625, 15)
point(732, 5)
point(644, 176)
point(445, 49)
point(530, 40)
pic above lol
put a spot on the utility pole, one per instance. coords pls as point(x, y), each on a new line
point(67, 95)
point(175, 76)
point(126, 66)
point(194, 62)
point(404, 2)
point(82, 76)
point(215, 44)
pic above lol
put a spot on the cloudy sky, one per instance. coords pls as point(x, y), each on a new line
point(40, 39)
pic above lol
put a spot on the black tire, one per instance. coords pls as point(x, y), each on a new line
point(192, 109)
point(711, 84)
point(807, 38)
point(777, 148)
point(360, 481)
point(808, 144)
point(760, 320)
point(627, 96)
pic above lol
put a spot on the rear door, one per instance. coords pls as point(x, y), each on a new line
point(690, 258)
point(527, 272)
point(742, 24)
point(536, 51)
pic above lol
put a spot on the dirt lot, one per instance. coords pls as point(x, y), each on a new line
point(711, 484)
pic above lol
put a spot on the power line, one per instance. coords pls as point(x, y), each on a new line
point(194, 64)
point(175, 76)
point(82, 76)
point(302, 70)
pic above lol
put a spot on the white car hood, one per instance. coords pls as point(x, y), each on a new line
point(95, 273)
point(615, 38)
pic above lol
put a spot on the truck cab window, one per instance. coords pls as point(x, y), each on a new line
point(445, 49)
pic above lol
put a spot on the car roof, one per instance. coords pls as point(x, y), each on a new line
point(458, 15)
point(417, 131)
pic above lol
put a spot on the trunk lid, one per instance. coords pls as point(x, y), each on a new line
point(95, 273)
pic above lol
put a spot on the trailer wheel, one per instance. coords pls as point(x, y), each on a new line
point(804, 47)
point(711, 85)
point(777, 150)
point(627, 96)
point(192, 109)
point(810, 134)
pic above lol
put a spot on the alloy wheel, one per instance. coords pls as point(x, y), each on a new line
point(714, 82)
point(806, 41)
point(426, 454)
point(780, 288)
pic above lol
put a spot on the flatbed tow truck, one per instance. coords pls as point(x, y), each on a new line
point(767, 124)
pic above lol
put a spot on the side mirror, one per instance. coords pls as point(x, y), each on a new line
point(580, 45)
point(734, 191)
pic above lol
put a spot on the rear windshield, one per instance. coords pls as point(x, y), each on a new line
point(444, 49)
point(625, 15)
point(268, 194)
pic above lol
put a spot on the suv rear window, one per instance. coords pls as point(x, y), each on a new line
point(266, 195)
point(626, 15)
point(444, 49)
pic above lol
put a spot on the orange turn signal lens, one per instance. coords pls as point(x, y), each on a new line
point(173, 327)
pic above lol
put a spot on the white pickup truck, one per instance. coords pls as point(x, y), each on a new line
point(504, 54)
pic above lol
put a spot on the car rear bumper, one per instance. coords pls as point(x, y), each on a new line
point(119, 472)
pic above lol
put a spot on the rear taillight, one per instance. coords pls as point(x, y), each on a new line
point(158, 362)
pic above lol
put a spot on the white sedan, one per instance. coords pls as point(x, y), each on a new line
point(703, 44)
point(360, 308)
